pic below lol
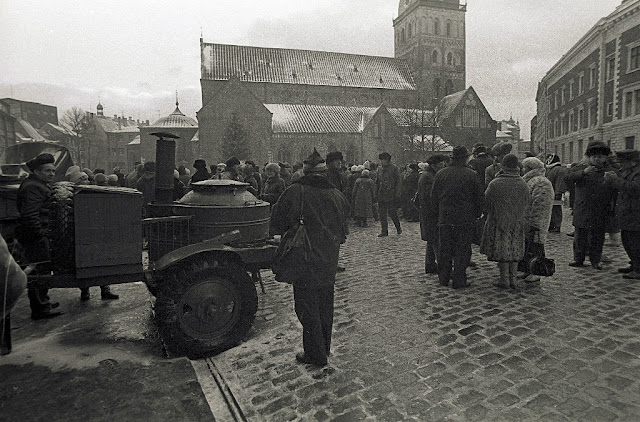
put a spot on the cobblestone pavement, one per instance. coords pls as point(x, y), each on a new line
point(406, 348)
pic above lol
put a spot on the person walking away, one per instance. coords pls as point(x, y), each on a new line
point(556, 173)
point(325, 216)
point(34, 203)
point(592, 205)
point(364, 192)
point(335, 174)
point(538, 217)
point(429, 223)
point(506, 201)
point(480, 161)
point(627, 185)
point(410, 187)
point(389, 185)
point(201, 172)
point(456, 203)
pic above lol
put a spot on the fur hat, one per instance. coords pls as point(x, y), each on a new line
point(233, 161)
point(384, 156)
point(628, 155)
point(112, 180)
point(314, 163)
point(78, 177)
point(479, 148)
point(200, 164)
point(510, 161)
point(500, 149)
point(353, 169)
point(359, 168)
point(101, 179)
point(367, 165)
point(40, 160)
point(365, 173)
point(333, 156)
point(272, 166)
point(532, 163)
point(597, 148)
point(459, 152)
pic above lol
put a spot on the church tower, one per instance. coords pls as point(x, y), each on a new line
point(430, 36)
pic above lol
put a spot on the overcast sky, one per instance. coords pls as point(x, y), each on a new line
point(134, 55)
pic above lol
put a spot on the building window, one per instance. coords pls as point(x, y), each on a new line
point(581, 84)
point(434, 57)
point(581, 122)
point(450, 59)
point(571, 152)
point(436, 26)
point(572, 92)
point(628, 104)
point(637, 98)
point(611, 68)
point(410, 31)
point(592, 76)
point(555, 100)
point(470, 117)
point(610, 109)
point(436, 87)
point(402, 36)
point(448, 29)
point(571, 121)
point(630, 142)
point(563, 95)
point(634, 58)
point(593, 114)
point(448, 87)
point(580, 147)
point(562, 155)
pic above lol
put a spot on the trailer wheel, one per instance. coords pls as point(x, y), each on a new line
point(205, 311)
point(61, 228)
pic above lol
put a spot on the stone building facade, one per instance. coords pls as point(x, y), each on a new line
point(7, 127)
point(35, 113)
point(290, 101)
point(593, 92)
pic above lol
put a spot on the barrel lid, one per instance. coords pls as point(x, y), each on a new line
point(219, 182)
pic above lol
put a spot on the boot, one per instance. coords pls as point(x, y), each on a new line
point(105, 293)
point(84, 294)
point(504, 276)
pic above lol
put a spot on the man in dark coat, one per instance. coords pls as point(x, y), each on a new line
point(335, 174)
point(480, 161)
point(325, 211)
point(389, 185)
point(34, 203)
point(456, 203)
point(556, 173)
point(592, 206)
point(429, 226)
point(628, 208)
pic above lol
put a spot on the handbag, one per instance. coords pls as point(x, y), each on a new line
point(294, 248)
point(538, 263)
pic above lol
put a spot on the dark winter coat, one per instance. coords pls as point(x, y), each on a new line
point(428, 226)
point(364, 193)
point(456, 197)
point(594, 198)
point(480, 164)
point(389, 184)
point(200, 175)
point(628, 203)
point(147, 185)
point(34, 203)
point(325, 216)
point(273, 188)
point(337, 178)
point(557, 174)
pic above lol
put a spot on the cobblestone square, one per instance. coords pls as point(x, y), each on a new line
point(406, 348)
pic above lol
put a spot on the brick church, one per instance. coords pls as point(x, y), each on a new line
point(286, 102)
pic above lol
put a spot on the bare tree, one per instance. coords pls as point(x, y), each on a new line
point(78, 140)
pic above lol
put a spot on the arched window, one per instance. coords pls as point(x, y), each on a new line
point(448, 29)
point(436, 26)
point(448, 88)
point(434, 57)
point(402, 36)
point(410, 30)
point(450, 59)
point(436, 87)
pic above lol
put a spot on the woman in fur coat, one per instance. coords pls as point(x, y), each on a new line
point(364, 190)
point(506, 202)
point(538, 213)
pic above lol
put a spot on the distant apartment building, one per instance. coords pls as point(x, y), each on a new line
point(35, 113)
point(593, 92)
point(7, 127)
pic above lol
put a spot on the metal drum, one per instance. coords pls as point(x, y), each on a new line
point(220, 206)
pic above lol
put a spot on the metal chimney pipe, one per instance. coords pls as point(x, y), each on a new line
point(165, 162)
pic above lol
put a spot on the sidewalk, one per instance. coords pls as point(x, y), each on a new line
point(100, 361)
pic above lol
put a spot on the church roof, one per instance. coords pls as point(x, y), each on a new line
point(287, 66)
point(175, 120)
point(299, 118)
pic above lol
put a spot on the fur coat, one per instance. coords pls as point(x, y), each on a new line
point(541, 202)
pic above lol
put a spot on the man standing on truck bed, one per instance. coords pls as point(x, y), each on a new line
point(34, 202)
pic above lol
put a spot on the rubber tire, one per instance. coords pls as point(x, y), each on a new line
point(175, 291)
point(61, 228)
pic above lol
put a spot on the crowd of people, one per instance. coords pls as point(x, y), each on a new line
point(487, 196)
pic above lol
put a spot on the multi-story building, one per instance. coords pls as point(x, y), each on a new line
point(593, 92)
point(7, 127)
point(290, 101)
point(35, 113)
